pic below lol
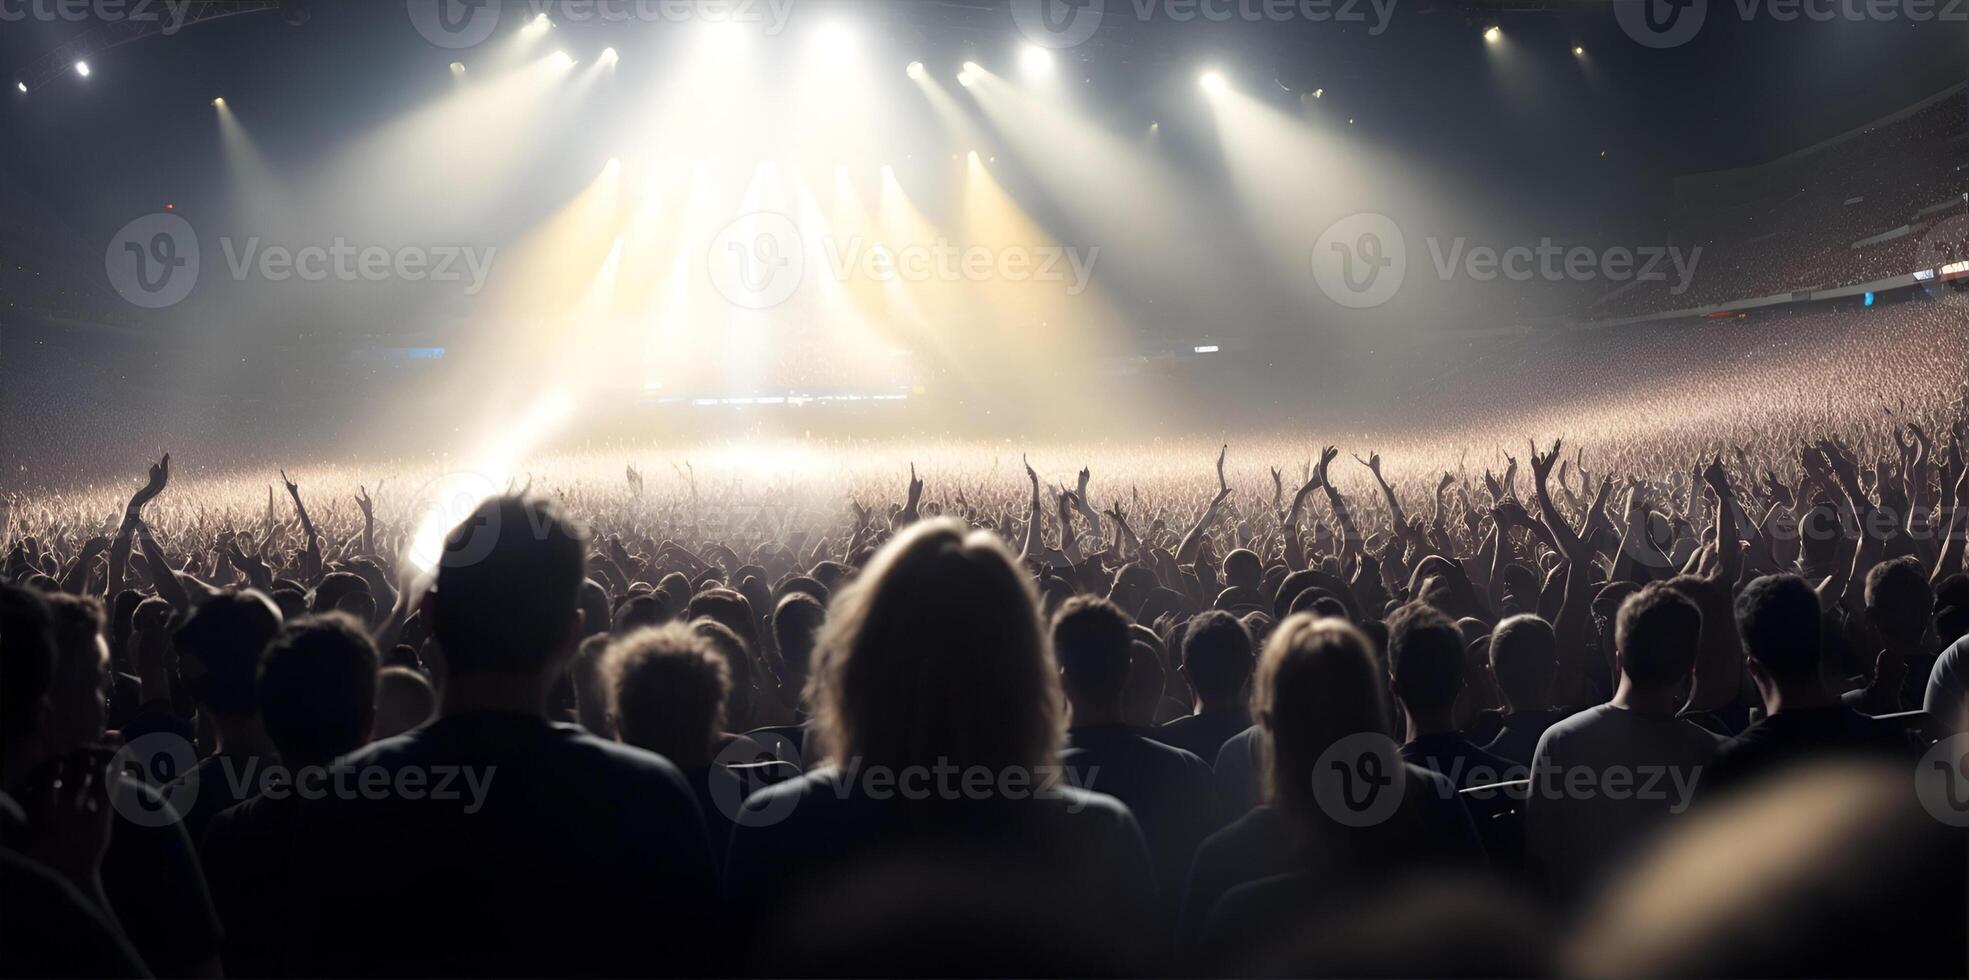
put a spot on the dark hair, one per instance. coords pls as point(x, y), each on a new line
point(318, 688)
point(27, 658)
point(1819, 533)
point(1217, 655)
point(1656, 635)
point(796, 628)
point(1425, 657)
point(226, 636)
point(644, 609)
point(1242, 568)
point(1092, 642)
point(508, 587)
point(1524, 656)
point(667, 687)
point(728, 607)
point(1778, 617)
point(74, 622)
point(1899, 601)
point(328, 593)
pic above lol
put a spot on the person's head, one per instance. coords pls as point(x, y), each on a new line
point(1900, 604)
point(1147, 680)
point(1656, 635)
point(1819, 534)
point(318, 689)
point(595, 612)
point(1217, 658)
point(584, 672)
point(738, 667)
point(1524, 657)
point(1778, 617)
point(796, 625)
point(1243, 569)
point(1317, 683)
point(935, 655)
point(404, 700)
point(1092, 641)
point(335, 586)
point(729, 608)
point(221, 644)
point(27, 673)
point(1132, 584)
point(360, 604)
point(1425, 662)
point(82, 673)
point(644, 609)
point(666, 692)
point(508, 590)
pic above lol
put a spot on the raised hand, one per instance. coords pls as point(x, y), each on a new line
point(1372, 462)
point(364, 502)
point(1221, 485)
point(1541, 464)
point(160, 476)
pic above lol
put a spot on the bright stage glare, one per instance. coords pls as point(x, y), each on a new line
point(219, 103)
point(1492, 34)
point(612, 164)
point(609, 56)
point(1319, 93)
point(837, 40)
point(537, 26)
point(458, 68)
point(21, 85)
point(82, 68)
point(1578, 52)
point(1036, 60)
point(563, 60)
point(725, 38)
point(916, 70)
point(1212, 82)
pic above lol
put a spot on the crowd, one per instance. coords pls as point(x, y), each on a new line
point(1647, 697)
point(1799, 223)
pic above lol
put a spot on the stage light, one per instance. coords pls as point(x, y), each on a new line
point(219, 103)
point(613, 163)
point(1212, 82)
point(1319, 93)
point(1578, 52)
point(458, 68)
point(563, 60)
point(609, 56)
point(537, 26)
point(837, 40)
point(916, 70)
point(82, 68)
point(725, 37)
point(21, 85)
point(1492, 34)
point(1036, 61)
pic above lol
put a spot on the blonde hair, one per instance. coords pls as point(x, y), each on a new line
point(936, 655)
point(1317, 682)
